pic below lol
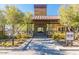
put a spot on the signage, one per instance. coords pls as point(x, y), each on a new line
point(70, 36)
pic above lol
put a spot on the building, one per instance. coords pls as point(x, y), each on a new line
point(42, 22)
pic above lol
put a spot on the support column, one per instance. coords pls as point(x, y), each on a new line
point(44, 28)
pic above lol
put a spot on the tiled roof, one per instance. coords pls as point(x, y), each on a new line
point(45, 17)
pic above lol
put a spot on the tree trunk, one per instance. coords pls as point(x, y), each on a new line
point(27, 28)
point(3, 30)
point(13, 35)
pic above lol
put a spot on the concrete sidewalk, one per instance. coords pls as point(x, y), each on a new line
point(62, 46)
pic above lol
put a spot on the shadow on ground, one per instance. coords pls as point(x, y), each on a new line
point(40, 44)
point(63, 43)
point(41, 49)
point(39, 35)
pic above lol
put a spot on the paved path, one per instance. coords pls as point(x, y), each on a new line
point(42, 46)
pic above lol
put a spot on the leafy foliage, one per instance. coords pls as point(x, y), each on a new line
point(69, 15)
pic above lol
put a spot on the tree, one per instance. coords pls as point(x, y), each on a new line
point(2, 21)
point(13, 16)
point(27, 20)
point(69, 15)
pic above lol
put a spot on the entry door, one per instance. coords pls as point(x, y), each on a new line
point(40, 29)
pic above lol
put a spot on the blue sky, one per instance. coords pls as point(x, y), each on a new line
point(52, 9)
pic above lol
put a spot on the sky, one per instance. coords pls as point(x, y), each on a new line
point(52, 9)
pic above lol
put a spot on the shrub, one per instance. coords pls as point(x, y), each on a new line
point(8, 44)
point(59, 35)
point(4, 37)
point(23, 36)
point(28, 36)
point(19, 36)
point(1, 32)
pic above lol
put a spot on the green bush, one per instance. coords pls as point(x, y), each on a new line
point(23, 36)
point(1, 32)
point(18, 36)
point(58, 35)
point(28, 36)
point(7, 44)
point(4, 37)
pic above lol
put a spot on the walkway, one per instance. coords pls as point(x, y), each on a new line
point(39, 35)
point(39, 45)
point(42, 46)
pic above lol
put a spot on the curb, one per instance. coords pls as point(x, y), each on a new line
point(69, 49)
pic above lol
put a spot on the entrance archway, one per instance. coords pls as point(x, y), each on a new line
point(40, 26)
point(40, 29)
point(45, 26)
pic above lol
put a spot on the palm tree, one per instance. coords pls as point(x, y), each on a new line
point(27, 20)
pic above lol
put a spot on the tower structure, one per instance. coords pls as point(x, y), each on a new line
point(40, 9)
